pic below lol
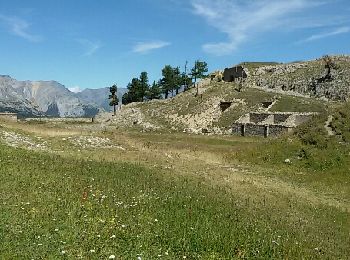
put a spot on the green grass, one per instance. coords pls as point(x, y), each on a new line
point(53, 207)
point(297, 104)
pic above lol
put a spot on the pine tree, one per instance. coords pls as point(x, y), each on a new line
point(133, 94)
point(166, 81)
point(177, 80)
point(144, 86)
point(198, 72)
point(154, 92)
point(113, 97)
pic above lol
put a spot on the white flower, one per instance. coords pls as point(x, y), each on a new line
point(63, 252)
point(92, 251)
point(111, 257)
point(113, 236)
point(155, 220)
point(56, 229)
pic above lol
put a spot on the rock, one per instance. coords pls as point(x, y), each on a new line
point(287, 161)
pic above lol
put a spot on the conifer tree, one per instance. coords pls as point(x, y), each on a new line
point(198, 72)
point(113, 98)
point(154, 92)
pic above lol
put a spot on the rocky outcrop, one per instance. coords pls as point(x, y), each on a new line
point(310, 78)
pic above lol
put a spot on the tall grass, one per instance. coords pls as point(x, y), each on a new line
point(53, 207)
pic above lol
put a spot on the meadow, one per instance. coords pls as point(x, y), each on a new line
point(170, 196)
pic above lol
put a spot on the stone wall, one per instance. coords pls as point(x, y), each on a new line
point(258, 117)
point(8, 116)
point(276, 130)
point(255, 130)
point(232, 74)
point(269, 124)
point(280, 118)
point(61, 119)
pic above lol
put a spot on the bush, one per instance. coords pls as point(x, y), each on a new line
point(341, 122)
point(313, 132)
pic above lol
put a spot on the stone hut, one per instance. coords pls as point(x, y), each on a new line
point(235, 73)
point(269, 124)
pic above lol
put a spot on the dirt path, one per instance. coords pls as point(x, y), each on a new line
point(328, 127)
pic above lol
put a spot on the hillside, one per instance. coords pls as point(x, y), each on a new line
point(293, 87)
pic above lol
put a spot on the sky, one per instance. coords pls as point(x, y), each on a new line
point(93, 44)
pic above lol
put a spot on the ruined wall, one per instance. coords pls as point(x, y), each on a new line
point(276, 130)
point(255, 130)
point(8, 116)
point(258, 117)
point(62, 119)
point(269, 124)
point(237, 129)
point(280, 118)
point(231, 74)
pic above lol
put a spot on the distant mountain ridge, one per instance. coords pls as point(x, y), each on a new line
point(49, 98)
point(99, 97)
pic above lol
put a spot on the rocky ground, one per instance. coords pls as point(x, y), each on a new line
point(306, 78)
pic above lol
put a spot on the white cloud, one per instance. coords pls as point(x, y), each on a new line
point(336, 31)
point(75, 89)
point(19, 27)
point(244, 20)
point(146, 47)
point(89, 46)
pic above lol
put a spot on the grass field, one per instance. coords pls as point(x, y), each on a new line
point(170, 196)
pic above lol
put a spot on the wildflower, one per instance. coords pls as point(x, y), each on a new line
point(155, 220)
point(56, 229)
point(113, 236)
point(63, 252)
point(111, 257)
point(92, 251)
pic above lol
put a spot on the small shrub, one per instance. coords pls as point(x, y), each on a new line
point(313, 132)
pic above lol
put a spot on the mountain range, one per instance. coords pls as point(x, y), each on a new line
point(50, 98)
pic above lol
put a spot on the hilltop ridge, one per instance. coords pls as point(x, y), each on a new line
point(290, 87)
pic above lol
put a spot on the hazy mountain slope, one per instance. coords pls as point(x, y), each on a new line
point(99, 96)
point(49, 97)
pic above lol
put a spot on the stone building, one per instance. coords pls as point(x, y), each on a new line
point(269, 123)
point(235, 73)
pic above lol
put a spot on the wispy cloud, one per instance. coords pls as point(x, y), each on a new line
point(243, 20)
point(19, 27)
point(89, 46)
point(146, 47)
point(340, 30)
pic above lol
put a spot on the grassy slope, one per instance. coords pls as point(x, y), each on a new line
point(186, 104)
point(197, 208)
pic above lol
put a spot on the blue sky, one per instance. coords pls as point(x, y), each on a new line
point(92, 44)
